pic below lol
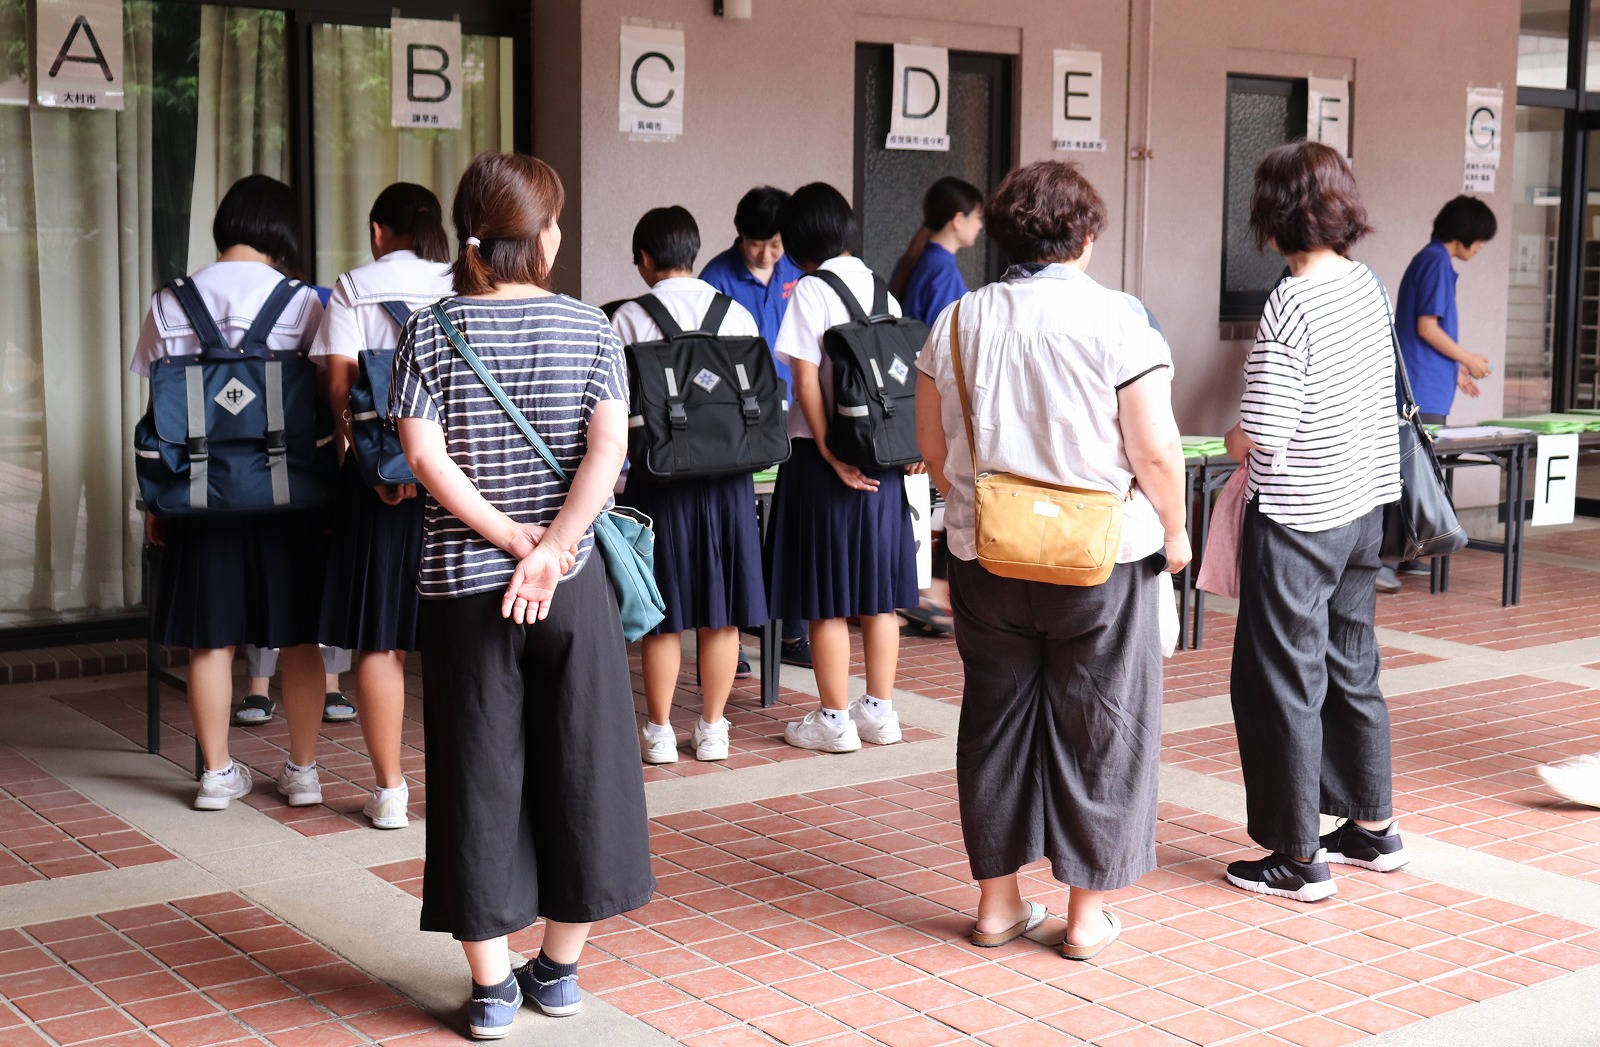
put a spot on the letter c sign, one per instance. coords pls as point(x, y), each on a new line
point(650, 82)
point(633, 80)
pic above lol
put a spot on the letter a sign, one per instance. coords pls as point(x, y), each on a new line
point(79, 52)
point(920, 99)
point(425, 76)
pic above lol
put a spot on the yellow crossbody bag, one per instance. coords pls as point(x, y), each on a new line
point(1037, 531)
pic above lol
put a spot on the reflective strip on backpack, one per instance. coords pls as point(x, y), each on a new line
point(364, 416)
point(744, 379)
point(194, 382)
point(636, 421)
point(877, 375)
point(853, 412)
point(277, 464)
point(672, 382)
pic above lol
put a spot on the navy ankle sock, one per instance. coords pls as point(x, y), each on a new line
point(505, 991)
point(544, 970)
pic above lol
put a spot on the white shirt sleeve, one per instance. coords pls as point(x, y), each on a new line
point(800, 336)
point(339, 333)
point(149, 348)
point(633, 324)
point(739, 323)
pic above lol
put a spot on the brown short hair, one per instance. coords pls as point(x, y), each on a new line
point(505, 200)
point(1045, 212)
point(1304, 198)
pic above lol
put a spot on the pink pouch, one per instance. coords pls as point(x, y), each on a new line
point(1219, 565)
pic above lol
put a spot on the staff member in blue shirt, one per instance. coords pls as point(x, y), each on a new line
point(926, 278)
point(1427, 325)
point(757, 274)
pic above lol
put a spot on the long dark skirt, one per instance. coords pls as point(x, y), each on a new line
point(225, 581)
point(833, 552)
point(369, 599)
point(708, 550)
point(535, 792)
point(1058, 752)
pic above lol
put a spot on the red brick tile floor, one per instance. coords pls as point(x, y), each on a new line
point(49, 831)
point(197, 971)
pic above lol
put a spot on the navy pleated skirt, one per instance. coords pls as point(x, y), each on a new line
point(224, 581)
point(369, 598)
point(833, 552)
point(708, 550)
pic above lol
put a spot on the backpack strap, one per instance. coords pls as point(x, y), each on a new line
point(712, 323)
point(880, 297)
point(399, 312)
point(658, 312)
point(200, 318)
point(842, 289)
point(255, 340)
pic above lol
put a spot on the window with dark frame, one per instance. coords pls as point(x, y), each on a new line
point(1263, 112)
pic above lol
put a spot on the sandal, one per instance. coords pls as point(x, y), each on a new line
point(1093, 949)
point(254, 710)
point(995, 939)
point(926, 621)
point(336, 708)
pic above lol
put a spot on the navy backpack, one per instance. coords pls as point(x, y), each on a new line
point(372, 433)
point(234, 430)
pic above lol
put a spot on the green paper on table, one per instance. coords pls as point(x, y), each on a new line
point(767, 476)
point(1550, 423)
point(1205, 446)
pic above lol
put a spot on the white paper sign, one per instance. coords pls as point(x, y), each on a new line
point(1075, 97)
point(919, 498)
point(425, 73)
point(1328, 113)
point(1555, 480)
point(1485, 106)
point(78, 53)
point(650, 87)
point(920, 99)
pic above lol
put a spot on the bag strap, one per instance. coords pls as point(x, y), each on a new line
point(1403, 380)
point(657, 311)
point(842, 289)
point(255, 339)
point(961, 383)
point(712, 322)
point(399, 312)
point(200, 318)
point(499, 393)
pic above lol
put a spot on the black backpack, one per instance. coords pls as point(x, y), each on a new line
point(704, 405)
point(234, 430)
point(874, 420)
point(373, 435)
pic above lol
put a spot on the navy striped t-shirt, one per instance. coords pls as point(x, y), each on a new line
point(556, 358)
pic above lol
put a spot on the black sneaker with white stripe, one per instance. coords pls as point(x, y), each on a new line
point(1282, 876)
point(1350, 844)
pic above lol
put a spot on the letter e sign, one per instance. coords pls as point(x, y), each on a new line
point(79, 53)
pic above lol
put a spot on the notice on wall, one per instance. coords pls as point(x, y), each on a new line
point(919, 499)
point(1328, 113)
point(1555, 480)
point(650, 87)
point(425, 73)
point(1485, 106)
point(919, 117)
point(78, 53)
point(1076, 98)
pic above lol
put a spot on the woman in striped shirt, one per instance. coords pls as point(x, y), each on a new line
point(1318, 435)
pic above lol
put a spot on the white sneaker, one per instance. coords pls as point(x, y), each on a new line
point(880, 728)
point(659, 743)
point(219, 790)
point(1577, 779)
point(818, 732)
point(300, 788)
point(386, 808)
point(710, 740)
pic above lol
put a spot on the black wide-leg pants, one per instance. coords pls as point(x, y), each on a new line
point(535, 790)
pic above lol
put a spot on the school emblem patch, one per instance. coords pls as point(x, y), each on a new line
point(898, 370)
point(234, 397)
point(706, 379)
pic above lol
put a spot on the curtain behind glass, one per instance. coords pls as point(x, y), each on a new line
point(75, 278)
point(356, 153)
point(243, 112)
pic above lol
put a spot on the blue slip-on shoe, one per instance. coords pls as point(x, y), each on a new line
point(557, 998)
point(489, 1018)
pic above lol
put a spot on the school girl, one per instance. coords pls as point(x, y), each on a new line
point(369, 602)
point(226, 581)
point(926, 279)
point(840, 545)
point(708, 550)
point(535, 796)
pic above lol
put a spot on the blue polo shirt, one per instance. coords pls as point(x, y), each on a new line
point(935, 282)
point(766, 301)
point(1428, 289)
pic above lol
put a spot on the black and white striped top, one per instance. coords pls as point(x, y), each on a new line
point(1319, 402)
point(557, 358)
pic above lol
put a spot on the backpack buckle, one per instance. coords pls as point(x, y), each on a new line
point(198, 449)
point(752, 410)
point(277, 444)
point(677, 417)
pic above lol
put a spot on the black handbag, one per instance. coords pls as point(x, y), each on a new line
point(1422, 523)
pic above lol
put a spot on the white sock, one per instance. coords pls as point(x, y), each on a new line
point(836, 717)
point(225, 773)
point(876, 706)
point(656, 729)
point(402, 790)
point(290, 765)
point(706, 725)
